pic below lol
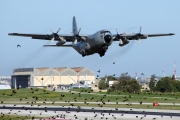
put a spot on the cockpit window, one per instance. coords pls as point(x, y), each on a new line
point(105, 32)
point(101, 32)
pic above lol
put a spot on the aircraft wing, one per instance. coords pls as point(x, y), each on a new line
point(67, 37)
point(137, 36)
point(157, 35)
point(57, 46)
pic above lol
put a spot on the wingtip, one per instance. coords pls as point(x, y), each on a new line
point(45, 45)
point(12, 33)
point(171, 33)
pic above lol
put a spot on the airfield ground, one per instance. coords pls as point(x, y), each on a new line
point(45, 103)
point(89, 98)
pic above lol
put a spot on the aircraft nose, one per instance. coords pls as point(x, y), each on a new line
point(108, 38)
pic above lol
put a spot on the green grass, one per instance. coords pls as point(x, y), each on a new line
point(13, 117)
point(28, 95)
point(146, 97)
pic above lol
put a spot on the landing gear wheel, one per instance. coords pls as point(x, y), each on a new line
point(102, 53)
point(83, 54)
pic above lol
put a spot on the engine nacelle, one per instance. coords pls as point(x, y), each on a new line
point(124, 42)
point(61, 42)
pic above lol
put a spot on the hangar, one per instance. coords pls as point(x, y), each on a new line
point(36, 77)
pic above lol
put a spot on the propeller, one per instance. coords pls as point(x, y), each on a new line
point(54, 34)
point(139, 34)
point(76, 36)
point(119, 37)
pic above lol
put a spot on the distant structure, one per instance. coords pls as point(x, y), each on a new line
point(82, 84)
point(177, 77)
point(174, 70)
point(136, 76)
point(5, 82)
point(111, 82)
point(46, 77)
point(144, 82)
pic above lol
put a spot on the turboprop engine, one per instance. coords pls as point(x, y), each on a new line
point(123, 42)
point(61, 42)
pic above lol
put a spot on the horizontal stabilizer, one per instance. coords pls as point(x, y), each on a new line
point(57, 46)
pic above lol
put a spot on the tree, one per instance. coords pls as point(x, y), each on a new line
point(134, 86)
point(109, 78)
point(165, 85)
point(173, 77)
point(116, 87)
point(125, 84)
point(152, 83)
point(176, 85)
point(103, 84)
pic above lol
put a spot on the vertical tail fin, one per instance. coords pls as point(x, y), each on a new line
point(74, 26)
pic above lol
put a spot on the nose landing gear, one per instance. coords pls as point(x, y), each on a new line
point(83, 53)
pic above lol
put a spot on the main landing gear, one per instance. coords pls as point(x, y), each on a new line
point(102, 52)
point(83, 53)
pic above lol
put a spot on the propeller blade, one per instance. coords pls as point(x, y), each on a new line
point(121, 42)
point(51, 30)
point(116, 30)
point(140, 30)
point(79, 31)
point(58, 30)
point(139, 41)
point(52, 40)
point(75, 41)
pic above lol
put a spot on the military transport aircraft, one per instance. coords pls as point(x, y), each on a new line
point(89, 44)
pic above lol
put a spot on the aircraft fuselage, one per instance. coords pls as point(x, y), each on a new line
point(96, 43)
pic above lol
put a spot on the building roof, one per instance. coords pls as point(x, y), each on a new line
point(60, 69)
point(46, 71)
point(42, 69)
point(77, 69)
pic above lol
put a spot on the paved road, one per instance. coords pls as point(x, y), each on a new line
point(87, 112)
point(110, 103)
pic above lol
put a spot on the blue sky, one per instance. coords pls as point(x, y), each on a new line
point(151, 56)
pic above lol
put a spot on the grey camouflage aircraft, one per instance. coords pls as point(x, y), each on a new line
point(89, 44)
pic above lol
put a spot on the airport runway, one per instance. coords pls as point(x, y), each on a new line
point(89, 113)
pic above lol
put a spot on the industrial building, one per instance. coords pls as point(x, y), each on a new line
point(5, 82)
point(42, 77)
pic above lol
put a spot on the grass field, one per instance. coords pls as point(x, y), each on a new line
point(13, 117)
point(30, 95)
